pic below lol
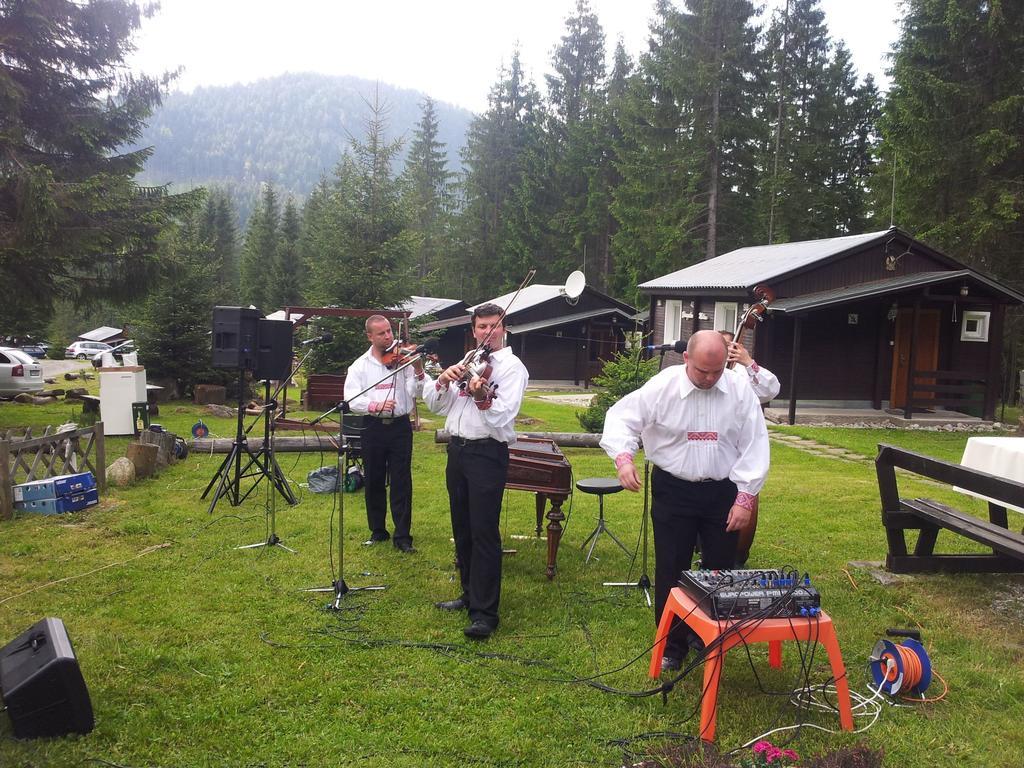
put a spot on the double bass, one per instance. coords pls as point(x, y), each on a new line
point(754, 313)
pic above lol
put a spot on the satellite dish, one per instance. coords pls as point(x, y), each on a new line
point(574, 285)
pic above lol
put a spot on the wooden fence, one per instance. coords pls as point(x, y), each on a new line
point(24, 458)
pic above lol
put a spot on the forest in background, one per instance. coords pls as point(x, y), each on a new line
point(729, 129)
point(287, 130)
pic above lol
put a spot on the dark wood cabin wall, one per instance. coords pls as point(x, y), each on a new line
point(866, 266)
point(548, 357)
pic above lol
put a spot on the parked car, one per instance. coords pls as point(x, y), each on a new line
point(19, 372)
point(36, 350)
point(118, 350)
point(83, 350)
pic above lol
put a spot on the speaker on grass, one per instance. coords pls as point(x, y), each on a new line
point(41, 684)
point(274, 358)
point(235, 337)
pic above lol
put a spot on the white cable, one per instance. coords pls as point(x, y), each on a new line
point(804, 698)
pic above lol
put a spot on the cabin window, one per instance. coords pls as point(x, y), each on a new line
point(975, 326)
point(725, 315)
point(673, 320)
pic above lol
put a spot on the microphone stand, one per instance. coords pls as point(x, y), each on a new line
point(339, 586)
point(644, 582)
point(269, 458)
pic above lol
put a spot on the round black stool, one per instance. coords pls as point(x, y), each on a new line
point(600, 486)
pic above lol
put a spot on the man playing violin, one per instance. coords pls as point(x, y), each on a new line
point(387, 433)
point(703, 430)
point(766, 386)
point(480, 400)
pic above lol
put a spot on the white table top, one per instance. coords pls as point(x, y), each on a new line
point(999, 456)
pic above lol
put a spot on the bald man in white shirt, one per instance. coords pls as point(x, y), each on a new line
point(702, 428)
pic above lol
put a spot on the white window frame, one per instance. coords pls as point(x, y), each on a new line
point(981, 332)
point(673, 327)
point(722, 309)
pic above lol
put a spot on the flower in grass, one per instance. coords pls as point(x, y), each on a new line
point(767, 755)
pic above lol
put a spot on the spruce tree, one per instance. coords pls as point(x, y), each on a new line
point(259, 253)
point(427, 194)
point(286, 280)
point(954, 123)
point(73, 222)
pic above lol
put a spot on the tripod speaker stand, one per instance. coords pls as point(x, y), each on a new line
point(272, 470)
point(230, 474)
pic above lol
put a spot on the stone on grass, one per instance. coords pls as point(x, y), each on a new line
point(222, 411)
point(121, 473)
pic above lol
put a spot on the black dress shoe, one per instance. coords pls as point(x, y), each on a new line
point(458, 604)
point(377, 537)
point(405, 546)
point(478, 630)
point(671, 664)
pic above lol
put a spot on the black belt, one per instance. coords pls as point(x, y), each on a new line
point(459, 440)
point(388, 419)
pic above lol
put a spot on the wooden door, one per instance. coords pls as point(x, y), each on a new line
point(926, 354)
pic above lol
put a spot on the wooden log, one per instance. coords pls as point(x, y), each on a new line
point(164, 441)
point(562, 439)
point(144, 457)
point(319, 442)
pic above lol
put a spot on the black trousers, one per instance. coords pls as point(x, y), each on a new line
point(387, 453)
point(680, 511)
point(475, 476)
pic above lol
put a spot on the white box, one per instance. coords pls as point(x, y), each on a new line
point(119, 388)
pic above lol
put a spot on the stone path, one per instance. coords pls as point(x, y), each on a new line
point(818, 449)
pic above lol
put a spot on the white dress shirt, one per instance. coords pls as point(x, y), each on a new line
point(691, 433)
point(400, 386)
point(765, 383)
point(464, 418)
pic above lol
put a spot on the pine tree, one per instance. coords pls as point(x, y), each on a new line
point(426, 183)
point(218, 228)
point(73, 222)
point(259, 253)
point(579, 146)
point(285, 285)
point(174, 323)
point(503, 227)
point(954, 122)
point(358, 250)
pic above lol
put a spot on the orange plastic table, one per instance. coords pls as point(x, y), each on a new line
point(772, 631)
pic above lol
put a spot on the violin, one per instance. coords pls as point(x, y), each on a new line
point(397, 355)
point(754, 314)
point(478, 363)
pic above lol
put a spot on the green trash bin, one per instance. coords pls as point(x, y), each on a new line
point(140, 417)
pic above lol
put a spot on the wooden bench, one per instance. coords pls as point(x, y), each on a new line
point(929, 517)
point(323, 389)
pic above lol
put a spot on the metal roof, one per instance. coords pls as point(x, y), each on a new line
point(427, 305)
point(102, 333)
point(530, 296)
point(451, 322)
point(891, 285)
point(551, 322)
point(745, 267)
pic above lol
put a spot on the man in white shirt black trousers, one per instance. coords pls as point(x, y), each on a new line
point(387, 432)
point(480, 421)
point(702, 428)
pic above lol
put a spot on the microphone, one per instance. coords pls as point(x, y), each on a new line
point(675, 346)
point(326, 336)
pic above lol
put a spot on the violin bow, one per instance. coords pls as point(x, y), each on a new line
point(501, 318)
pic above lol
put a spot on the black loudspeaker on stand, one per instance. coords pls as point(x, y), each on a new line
point(244, 341)
point(42, 686)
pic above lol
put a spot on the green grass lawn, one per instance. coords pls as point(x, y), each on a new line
point(199, 654)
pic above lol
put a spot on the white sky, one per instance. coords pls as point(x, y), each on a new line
point(448, 49)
